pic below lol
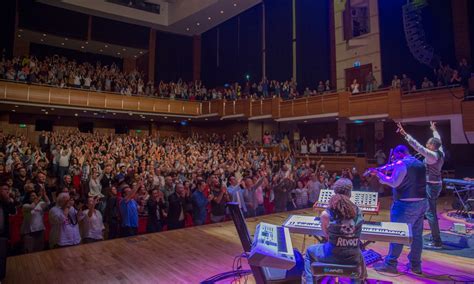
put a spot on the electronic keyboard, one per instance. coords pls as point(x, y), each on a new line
point(371, 231)
point(368, 202)
point(272, 247)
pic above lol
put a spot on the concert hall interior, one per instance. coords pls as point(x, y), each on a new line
point(236, 141)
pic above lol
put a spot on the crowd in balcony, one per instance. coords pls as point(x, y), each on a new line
point(62, 72)
point(94, 186)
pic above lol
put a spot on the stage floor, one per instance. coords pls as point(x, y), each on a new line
point(190, 256)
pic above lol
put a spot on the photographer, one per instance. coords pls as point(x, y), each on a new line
point(64, 222)
point(91, 222)
point(7, 207)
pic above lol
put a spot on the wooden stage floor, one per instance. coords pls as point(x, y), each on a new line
point(188, 256)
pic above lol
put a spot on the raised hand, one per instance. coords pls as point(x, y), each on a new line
point(433, 126)
point(401, 130)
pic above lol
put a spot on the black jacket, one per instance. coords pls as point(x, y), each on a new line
point(8, 209)
point(175, 205)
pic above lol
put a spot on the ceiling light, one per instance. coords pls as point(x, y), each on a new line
point(65, 38)
point(84, 111)
point(222, 12)
point(20, 30)
point(41, 39)
point(76, 114)
point(82, 46)
point(100, 50)
point(44, 34)
point(189, 119)
point(209, 18)
point(46, 113)
point(198, 24)
point(95, 113)
point(135, 56)
point(43, 110)
point(16, 106)
point(52, 108)
point(62, 43)
point(113, 113)
point(166, 117)
point(187, 29)
point(87, 42)
point(174, 121)
point(141, 52)
point(106, 45)
point(205, 119)
point(13, 110)
point(151, 119)
point(124, 49)
point(305, 121)
point(118, 53)
point(19, 35)
point(235, 4)
point(130, 113)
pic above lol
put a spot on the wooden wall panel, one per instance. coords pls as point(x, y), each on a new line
point(468, 115)
point(96, 100)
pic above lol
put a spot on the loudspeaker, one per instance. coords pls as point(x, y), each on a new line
point(43, 125)
point(86, 127)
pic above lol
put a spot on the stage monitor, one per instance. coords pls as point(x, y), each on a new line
point(43, 125)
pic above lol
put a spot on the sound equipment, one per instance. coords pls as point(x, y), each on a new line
point(464, 191)
point(43, 125)
point(371, 231)
point(264, 274)
point(368, 202)
point(272, 247)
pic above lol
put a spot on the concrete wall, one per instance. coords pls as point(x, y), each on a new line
point(366, 54)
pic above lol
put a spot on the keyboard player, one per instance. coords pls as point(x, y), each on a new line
point(341, 224)
point(408, 181)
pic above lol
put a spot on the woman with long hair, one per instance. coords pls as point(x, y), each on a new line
point(341, 224)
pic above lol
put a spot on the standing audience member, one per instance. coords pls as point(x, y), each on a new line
point(156, 211)
point(179, 204)
point(91, 221)
point(129, 212)
point(218, 203)
point(64, 222)
point(32, 228)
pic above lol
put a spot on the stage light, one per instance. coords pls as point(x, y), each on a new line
point(247, 77)
point(222, 12)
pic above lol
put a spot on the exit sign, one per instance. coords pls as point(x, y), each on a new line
point(22, 125)
point(138, 131)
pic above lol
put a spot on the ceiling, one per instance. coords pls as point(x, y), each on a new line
point(186, 17)
point(90, 46)
point(56, 112)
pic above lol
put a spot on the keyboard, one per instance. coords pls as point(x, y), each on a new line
point(371, 231)
point(459, 182)
point(272, 247)
point(368, 202)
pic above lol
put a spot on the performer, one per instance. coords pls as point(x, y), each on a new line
point(434, 159)
point(408, 181)
point(341, 224)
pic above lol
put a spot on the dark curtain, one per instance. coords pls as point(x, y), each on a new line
point(233, 50)
point(470, 5)
point(7, 22)
point(278, 29)
point(48, 19)
point(312, 42)
point(120, 33)
point(174, 57)
point(209, 58)
point(40, 51)
point(396, 57)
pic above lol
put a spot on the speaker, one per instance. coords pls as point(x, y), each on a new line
point(86, 127)
point(121, 129)
point(43, 125)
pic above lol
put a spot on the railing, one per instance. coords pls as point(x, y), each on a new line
point(390, 103)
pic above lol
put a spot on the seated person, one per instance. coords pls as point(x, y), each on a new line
point(341, 223)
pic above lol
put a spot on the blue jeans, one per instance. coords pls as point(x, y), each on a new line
point(411, 213)
point(432, 192)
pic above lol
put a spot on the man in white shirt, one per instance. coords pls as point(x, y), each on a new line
point(63, 219)
point(91, 222)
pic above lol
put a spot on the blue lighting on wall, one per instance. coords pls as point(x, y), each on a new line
point(358, 121)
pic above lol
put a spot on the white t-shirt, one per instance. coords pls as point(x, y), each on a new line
point(92, 227)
